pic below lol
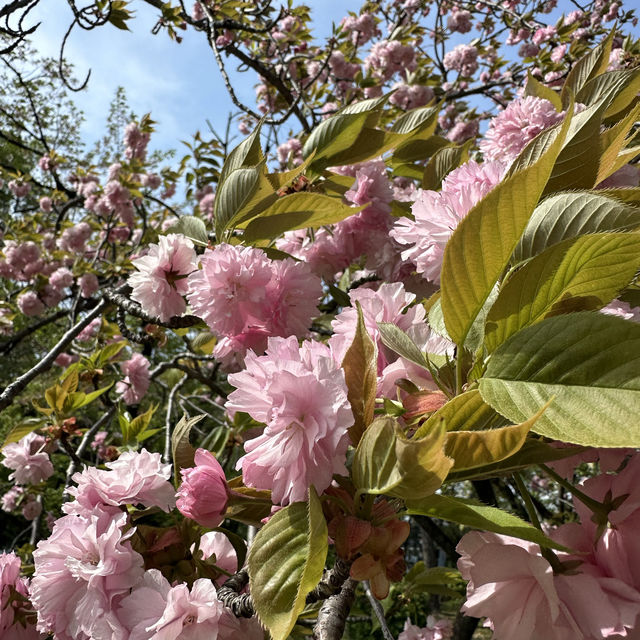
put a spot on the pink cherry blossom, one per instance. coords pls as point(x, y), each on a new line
point(14, 624)
point(46, 204)
point(215, 543)
point(388, 57)
point(134, 478)
point(189, 615)
point(437, 214)
point(512, 585)
point(361, 28)
point(136, 381)
point(203, 494)
point(31, 465)
point(144, 606)
point(61, 278)
point(435, 630)
point(160, 283)
point(511, 130)
point(88, 283)
point(245, 297)
point(462, 58)
point(135, 142)
point(459, 20)
point(410, 96)
point(291, 149)
point(30, 304)
point(80, 571)
point(229, 288)
point(9, 500)
point(74, 238)
point(90, 331)
point(384, 305)
point(19, 188)
point(301, 396)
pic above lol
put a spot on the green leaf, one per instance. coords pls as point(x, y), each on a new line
point(436, 319)
point(387, 463)
point(470, 513)
point(578, 162)
point(108, 352)
point(369, 144)
point(588, 363)
point(418, 149)
point(23, 429)
point(481, 246)
point(539, 90)
point(590, 66)
point(360, 366)
point(579, 274)
point(464, 412)
point(286, 561)
point(615, 90)
point(193, 228)
point(333, 135)
point(613, 141)
point(402, 344)
point(233, 194)
point(141, 422)
point(77, 400)
point(247, 154)
point(282, 180)
point(630, 195)
point(297, 211)
point(443, 162)
point(181, 449)
point(472, 449)
point(532, 452)
point(567, 215)
point(416, 119)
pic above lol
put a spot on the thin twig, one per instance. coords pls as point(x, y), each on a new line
point(379, 611)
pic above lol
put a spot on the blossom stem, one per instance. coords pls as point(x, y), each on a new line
point(547, 553)
point(597, 507)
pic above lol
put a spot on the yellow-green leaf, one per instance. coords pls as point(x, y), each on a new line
point(579, 274)
point(481, 246)
point(285, 562)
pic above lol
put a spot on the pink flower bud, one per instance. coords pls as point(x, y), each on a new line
point(203, 495)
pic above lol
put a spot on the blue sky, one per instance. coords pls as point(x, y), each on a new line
point(179, 84)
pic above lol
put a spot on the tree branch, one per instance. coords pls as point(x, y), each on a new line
point(11, 391)
point(332, 616)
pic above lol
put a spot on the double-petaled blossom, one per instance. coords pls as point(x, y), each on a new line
point(511, 130)
point(300, 394)
point(160, 283)
point(15, 618)
point(81, 571)
point(30, 304)
point(245, 298)
point(438, 213)
point(203, 494)
point(515, 588)
point(30, 464)
point(136, 380)
point(134, 478)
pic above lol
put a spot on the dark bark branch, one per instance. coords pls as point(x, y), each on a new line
point(10, 392)
point(332, 616)
point(134, 309)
